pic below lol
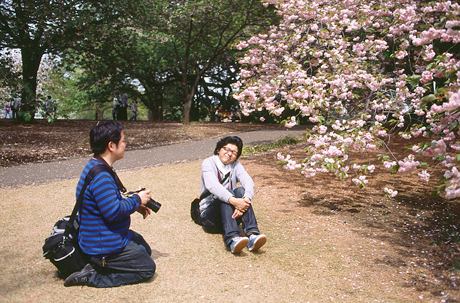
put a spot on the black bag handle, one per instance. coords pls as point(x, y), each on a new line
point(93, 172)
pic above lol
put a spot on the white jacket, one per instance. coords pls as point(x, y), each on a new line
point(210, 181)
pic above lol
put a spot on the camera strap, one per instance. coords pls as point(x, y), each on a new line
point(93, 172)
point(206, 193)
point(114, 175)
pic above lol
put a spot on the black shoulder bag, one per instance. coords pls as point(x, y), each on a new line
point(61, 246)
point(195, 206)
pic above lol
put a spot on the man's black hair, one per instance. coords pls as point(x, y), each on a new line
point(230, 140)
point(104, 132)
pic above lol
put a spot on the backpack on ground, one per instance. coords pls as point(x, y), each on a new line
point(61, 246)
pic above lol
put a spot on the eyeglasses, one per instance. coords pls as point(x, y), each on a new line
point(229, 150)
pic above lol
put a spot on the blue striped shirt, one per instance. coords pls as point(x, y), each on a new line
point(104, 216)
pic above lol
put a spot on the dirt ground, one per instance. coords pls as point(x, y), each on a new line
point(328, 240)
point(42, 141)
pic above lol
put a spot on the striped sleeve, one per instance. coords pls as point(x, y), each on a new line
point(104, 216)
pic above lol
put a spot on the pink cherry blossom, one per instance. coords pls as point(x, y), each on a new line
point(391, 193)
point(325, 61)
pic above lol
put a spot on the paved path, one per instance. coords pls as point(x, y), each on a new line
point(38, 173)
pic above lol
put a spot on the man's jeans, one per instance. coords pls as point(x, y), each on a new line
point(217, 218)
point(132, 265)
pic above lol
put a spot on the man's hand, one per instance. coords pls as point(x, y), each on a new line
point(237, 214)
point(241, 204)
point(145, 196)
point(144, 211)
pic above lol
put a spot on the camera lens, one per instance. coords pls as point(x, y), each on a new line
point(153, 205)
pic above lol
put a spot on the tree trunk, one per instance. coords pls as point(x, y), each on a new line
point(189, 93)
point(149, 115)
point(153, 100)
point(99, 112)
point(187, 109)
point(31, 59)
point(158, 109)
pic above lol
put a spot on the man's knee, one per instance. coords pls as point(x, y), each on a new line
point(239, 192)
point(150, 270)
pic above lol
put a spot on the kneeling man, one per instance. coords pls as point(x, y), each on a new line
point(117, 255)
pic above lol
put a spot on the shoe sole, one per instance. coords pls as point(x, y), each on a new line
point(258, 244)
point(239, 246)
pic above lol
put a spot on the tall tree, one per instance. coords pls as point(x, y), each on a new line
point(201, 33)
point(114, 60)
point(37, 27)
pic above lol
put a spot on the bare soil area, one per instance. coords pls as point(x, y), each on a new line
point(328, 240)
point(413, 237)
point(42, 141)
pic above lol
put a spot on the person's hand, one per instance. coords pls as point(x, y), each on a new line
point(241, 204)
point(145, 196)
point(144, 211)
point(237, 214)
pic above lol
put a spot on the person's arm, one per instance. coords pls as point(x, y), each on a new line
point(242, 204)
point(211, 181)
point(245, 180)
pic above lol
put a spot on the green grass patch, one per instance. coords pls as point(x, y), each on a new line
point(250, 150)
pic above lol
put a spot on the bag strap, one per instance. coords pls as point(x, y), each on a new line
point(93, 172)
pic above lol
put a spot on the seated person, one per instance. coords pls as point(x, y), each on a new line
point(228, 205)
point(117, 255)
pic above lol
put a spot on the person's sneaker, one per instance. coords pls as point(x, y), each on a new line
point(238, 243)
point(256, 242)
point(80, 277)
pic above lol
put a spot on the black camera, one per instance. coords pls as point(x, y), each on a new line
point(152, 204)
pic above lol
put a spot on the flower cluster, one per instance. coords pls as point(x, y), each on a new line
point(391, 193)
point(361, 72)
point(453, 181)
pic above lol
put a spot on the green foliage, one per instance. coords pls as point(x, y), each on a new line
point(195, 40)
point(9, 76)
point(383, 158)
point(288, 140)
point(163, 45)
point(39, 27)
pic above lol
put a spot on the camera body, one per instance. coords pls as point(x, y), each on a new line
point(152, 204)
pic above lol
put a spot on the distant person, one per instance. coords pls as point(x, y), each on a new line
point(234, 114)
point(218, 114)
point(227, 205)
point(225, 115)
point(54, 108)
point(117, 255)
point(116, 106)
point(134, 111)
point(7, 110)
point(15, 106)
point(124, 107)
point(48, 106)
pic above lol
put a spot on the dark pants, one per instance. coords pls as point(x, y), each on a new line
point(131, 265)
point(116, 113)
point(134, 117)
point(217, 218)
point(15, 113)
point(123, 113)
